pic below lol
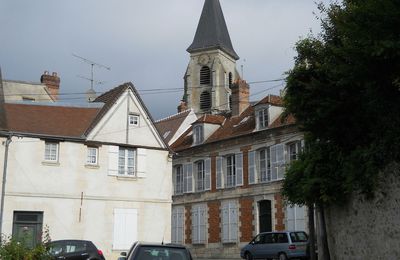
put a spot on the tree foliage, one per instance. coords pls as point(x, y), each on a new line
point(344, 91)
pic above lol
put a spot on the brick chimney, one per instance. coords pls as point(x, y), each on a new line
point(52, 83)
point(240, 97)
point(182, 106)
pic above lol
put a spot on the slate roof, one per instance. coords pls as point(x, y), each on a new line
point(212, 31)
point(171, 124)
point(47, 120)
point(237, 126)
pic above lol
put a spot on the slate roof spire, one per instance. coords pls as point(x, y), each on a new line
point(212, 31)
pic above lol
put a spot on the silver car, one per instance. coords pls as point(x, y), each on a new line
point(280, 245)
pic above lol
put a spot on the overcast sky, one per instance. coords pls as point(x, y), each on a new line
point(144, 42)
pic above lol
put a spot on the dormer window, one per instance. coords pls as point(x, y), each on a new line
point(198, 134)
point(262, 117)
point(205, 76)
point(133, 120)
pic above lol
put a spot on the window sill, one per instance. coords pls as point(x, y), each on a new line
point(229, 242)
point(50, 163)
point(92, 166)
point(126, 177)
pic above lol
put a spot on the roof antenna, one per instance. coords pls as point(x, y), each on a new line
point(92, 64)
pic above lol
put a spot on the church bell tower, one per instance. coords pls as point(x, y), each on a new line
point(212, 66)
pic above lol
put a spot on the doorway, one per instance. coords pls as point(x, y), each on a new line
point(265, 216)
point(27, 227)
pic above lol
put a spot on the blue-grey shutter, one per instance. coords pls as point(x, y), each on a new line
point(202, 224)
point(174, 226)
point(219, 172)
point(252, 167)
point(233, 222)
point(189, 179)
point(225, 222)
point(207, 169)
point(195, 224)
point(180, 224)
point(239, 169)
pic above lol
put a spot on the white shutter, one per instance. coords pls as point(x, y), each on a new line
point(113, 159)
point(180, 224)
point(195, 224)
point(207, 169)
point(185, 176)
point(202, 224)
point(225, 222)
point(274, 163)
point(189, 177)
point(239, 169)
point(252, 167)
point(125, 228)
point(233, 222)
point(174, 226)
point(280, 155)
point(141, 162)
point(219, 172)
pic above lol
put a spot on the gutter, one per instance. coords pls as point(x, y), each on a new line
point(3, 185)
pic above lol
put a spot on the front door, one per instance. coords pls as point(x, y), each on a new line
point(27, 227)
point(265, 216)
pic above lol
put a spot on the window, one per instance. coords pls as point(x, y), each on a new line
point(277, 162)
point(202, 170)
point(205, 100)
point(125, 228)
point(92, 155)
point(229, 222)
point(126, 161)
point(198, 224)
point(51, 152)
point(229, 171)
point(198, 134)
point(178, 179)
point(133, 120)
point(205, 76)
point(295, 218)
point(294, 150)
point(177, 235)
point(265, 164)
point(262, 118)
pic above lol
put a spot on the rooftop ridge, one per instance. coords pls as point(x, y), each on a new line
point(172, 116)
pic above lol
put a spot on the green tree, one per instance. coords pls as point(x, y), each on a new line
point(344, 91)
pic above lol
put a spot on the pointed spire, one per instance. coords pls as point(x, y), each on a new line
point(212, 31)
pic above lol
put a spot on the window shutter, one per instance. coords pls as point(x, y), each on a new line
point(189, 177)
point(219, 172)
point(207, 168)
point(280, 155)
point(252, 167)
point(180, 224)
point(113, 152)
point(195, 224)
point(174, 226)
point(274, 164)
point(239, 169)
point(202, 224)
point(141, 162)
point(233, 232)
point(225, 223)
point(185, 176)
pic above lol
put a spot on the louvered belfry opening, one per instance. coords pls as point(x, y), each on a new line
point(205, 76)
point(205, 100)
point(230, 78)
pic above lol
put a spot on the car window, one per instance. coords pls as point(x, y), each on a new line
point(298, 237)
point(259, 239)
point(75, 246)
point(56, 248)
point(162, 253)
point(268, 239)
point(281, 238)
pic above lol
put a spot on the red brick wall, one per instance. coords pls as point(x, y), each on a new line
point(246, 219)
point(213, 172)
point(188, 224)
point(279, 213)
point(245, 151)
point(214, 221)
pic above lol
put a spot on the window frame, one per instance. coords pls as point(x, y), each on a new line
point(262, 117)
point(198, 134)
point(48, 152)
point(178, 179)
point(200, 178)
point(126, 158)
point(133, 120)
point(96, 156)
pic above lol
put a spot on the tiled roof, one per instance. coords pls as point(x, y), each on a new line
point(271, 99)
point(232, 127)
point(49, 120)
point(171, 124)
point(211, 119)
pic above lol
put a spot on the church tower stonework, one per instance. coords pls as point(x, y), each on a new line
point(212, 67)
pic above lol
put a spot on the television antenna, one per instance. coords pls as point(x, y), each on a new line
point(92, 64)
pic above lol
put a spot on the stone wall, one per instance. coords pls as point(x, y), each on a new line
point(368, 229)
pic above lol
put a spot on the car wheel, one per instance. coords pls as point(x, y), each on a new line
point(282, 256)
point(248, 256)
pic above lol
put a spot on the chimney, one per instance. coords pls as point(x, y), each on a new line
point(52, 83)
point(240, 97)
point(182, 106)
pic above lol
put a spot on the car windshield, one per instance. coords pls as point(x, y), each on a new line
point(162, 253)
point(298, 237)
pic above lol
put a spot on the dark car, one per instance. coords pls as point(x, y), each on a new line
point(281, 245)
point(75, 250)
point(148, 251)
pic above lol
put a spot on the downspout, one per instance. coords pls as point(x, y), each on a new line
point(3, 185)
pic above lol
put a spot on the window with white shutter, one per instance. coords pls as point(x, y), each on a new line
point(252, 167)
point(199, 224)
point(264, 163)
point(230, 176)
point(177, 235)
point(229, 222)
point(295, 218)
point(207, 165)
point(126, 161)
point(125, 228)
point(188, 178)
point(239, 169)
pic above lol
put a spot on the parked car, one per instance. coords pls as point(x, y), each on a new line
point(148, 251)
point(74, 250)
point(277, 245)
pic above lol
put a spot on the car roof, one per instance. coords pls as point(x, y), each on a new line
point(160, 244)
point(283, 231)
point(70, 240)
